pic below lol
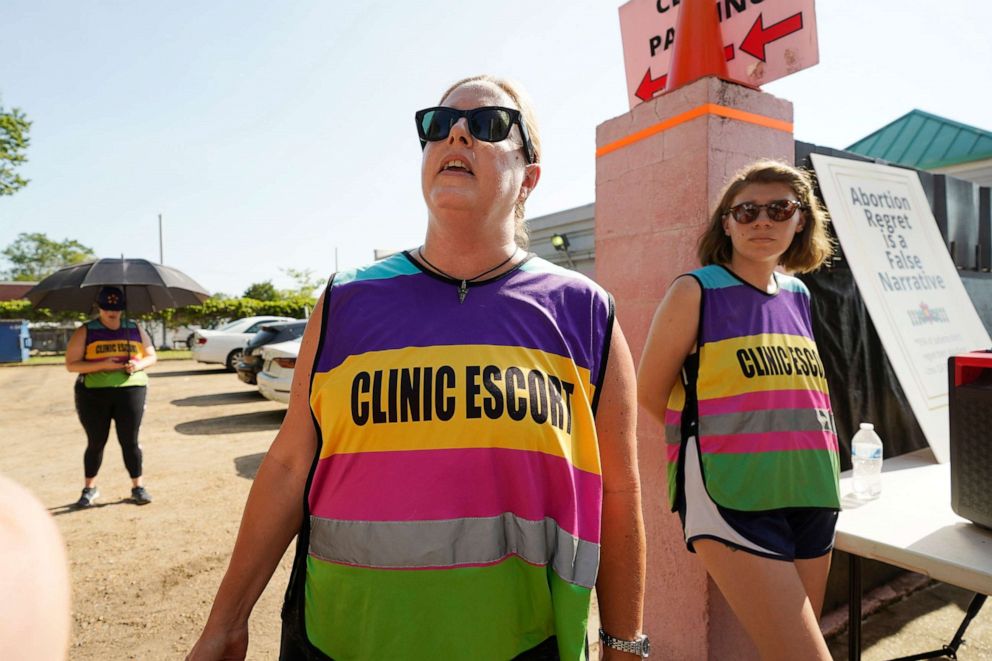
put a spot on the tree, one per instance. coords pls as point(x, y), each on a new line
point(33, 256)
point(262, 291)
point(304, 280)
point(14, 128)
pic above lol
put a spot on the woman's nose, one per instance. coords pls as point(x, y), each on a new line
point(763, 216)
point(459, 132)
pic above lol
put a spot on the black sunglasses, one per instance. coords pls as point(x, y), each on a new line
point(777, 210)
point(489, 124)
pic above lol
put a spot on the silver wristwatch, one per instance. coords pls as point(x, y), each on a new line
point(641, 646)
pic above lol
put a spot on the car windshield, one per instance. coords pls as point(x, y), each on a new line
point(229, 325)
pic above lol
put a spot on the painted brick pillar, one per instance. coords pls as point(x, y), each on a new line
point(659, 170)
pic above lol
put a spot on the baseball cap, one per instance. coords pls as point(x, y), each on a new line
point(110, 298)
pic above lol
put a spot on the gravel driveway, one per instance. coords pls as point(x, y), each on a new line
point(143, 578)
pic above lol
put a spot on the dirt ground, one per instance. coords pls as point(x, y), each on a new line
point(143, 578)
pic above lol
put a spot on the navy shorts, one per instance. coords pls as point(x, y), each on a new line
point(795, 533)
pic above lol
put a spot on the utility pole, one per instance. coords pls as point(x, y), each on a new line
point(161, 260)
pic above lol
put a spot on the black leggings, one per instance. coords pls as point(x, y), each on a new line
point(96, 407)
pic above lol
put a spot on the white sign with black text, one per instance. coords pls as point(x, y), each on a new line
point(909, 284)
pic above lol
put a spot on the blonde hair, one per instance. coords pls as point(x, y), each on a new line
point(810, 247)
point(516, 92)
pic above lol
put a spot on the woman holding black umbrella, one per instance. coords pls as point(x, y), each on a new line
point(110, 354)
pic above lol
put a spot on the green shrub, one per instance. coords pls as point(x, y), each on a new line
point(212, 311)
point(22, 309)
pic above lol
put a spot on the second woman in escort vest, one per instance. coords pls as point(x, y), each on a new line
point(731, 369)
point(473, 467)
point(110, 356)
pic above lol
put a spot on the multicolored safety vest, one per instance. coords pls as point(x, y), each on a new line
point(120, 344)
point(454, 508)
point(755, 396)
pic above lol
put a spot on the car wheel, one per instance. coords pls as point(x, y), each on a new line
point(233, 359)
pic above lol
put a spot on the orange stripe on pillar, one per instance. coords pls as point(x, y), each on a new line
point(699, 111)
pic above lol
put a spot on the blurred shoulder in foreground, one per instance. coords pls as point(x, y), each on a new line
point(34, 579)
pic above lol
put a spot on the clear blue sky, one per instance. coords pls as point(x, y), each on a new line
point(270, 133)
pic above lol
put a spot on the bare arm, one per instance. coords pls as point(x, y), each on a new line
point(75, 352)
point(272, 516)
point(620, 585)
point(150, 357)
point(671, 338)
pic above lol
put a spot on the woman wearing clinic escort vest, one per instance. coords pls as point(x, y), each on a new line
point(732, 370)
point(110, 354)
point(461, 500)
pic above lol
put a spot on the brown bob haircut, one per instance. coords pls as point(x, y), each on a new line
point(810, 248)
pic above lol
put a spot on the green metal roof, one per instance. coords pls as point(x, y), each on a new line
point(925, 141)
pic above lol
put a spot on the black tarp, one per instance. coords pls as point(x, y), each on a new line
point(979, 288)
point(863, 386)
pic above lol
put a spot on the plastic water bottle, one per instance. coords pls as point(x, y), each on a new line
point(866, 456)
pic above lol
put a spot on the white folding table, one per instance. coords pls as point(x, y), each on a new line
point(911, 525)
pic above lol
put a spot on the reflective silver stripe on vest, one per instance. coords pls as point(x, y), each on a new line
point(761, 421)
point(453, 543)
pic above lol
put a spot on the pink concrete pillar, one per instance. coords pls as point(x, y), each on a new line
point(659, 170)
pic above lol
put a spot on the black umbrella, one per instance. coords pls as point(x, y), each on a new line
point(148, 287)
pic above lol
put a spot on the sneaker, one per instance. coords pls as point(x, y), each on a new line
point(140, 496)
point(88, 496)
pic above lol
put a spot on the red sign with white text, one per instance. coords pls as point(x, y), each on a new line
point(764, 40)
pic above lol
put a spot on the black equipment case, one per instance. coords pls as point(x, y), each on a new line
point(970, 413)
